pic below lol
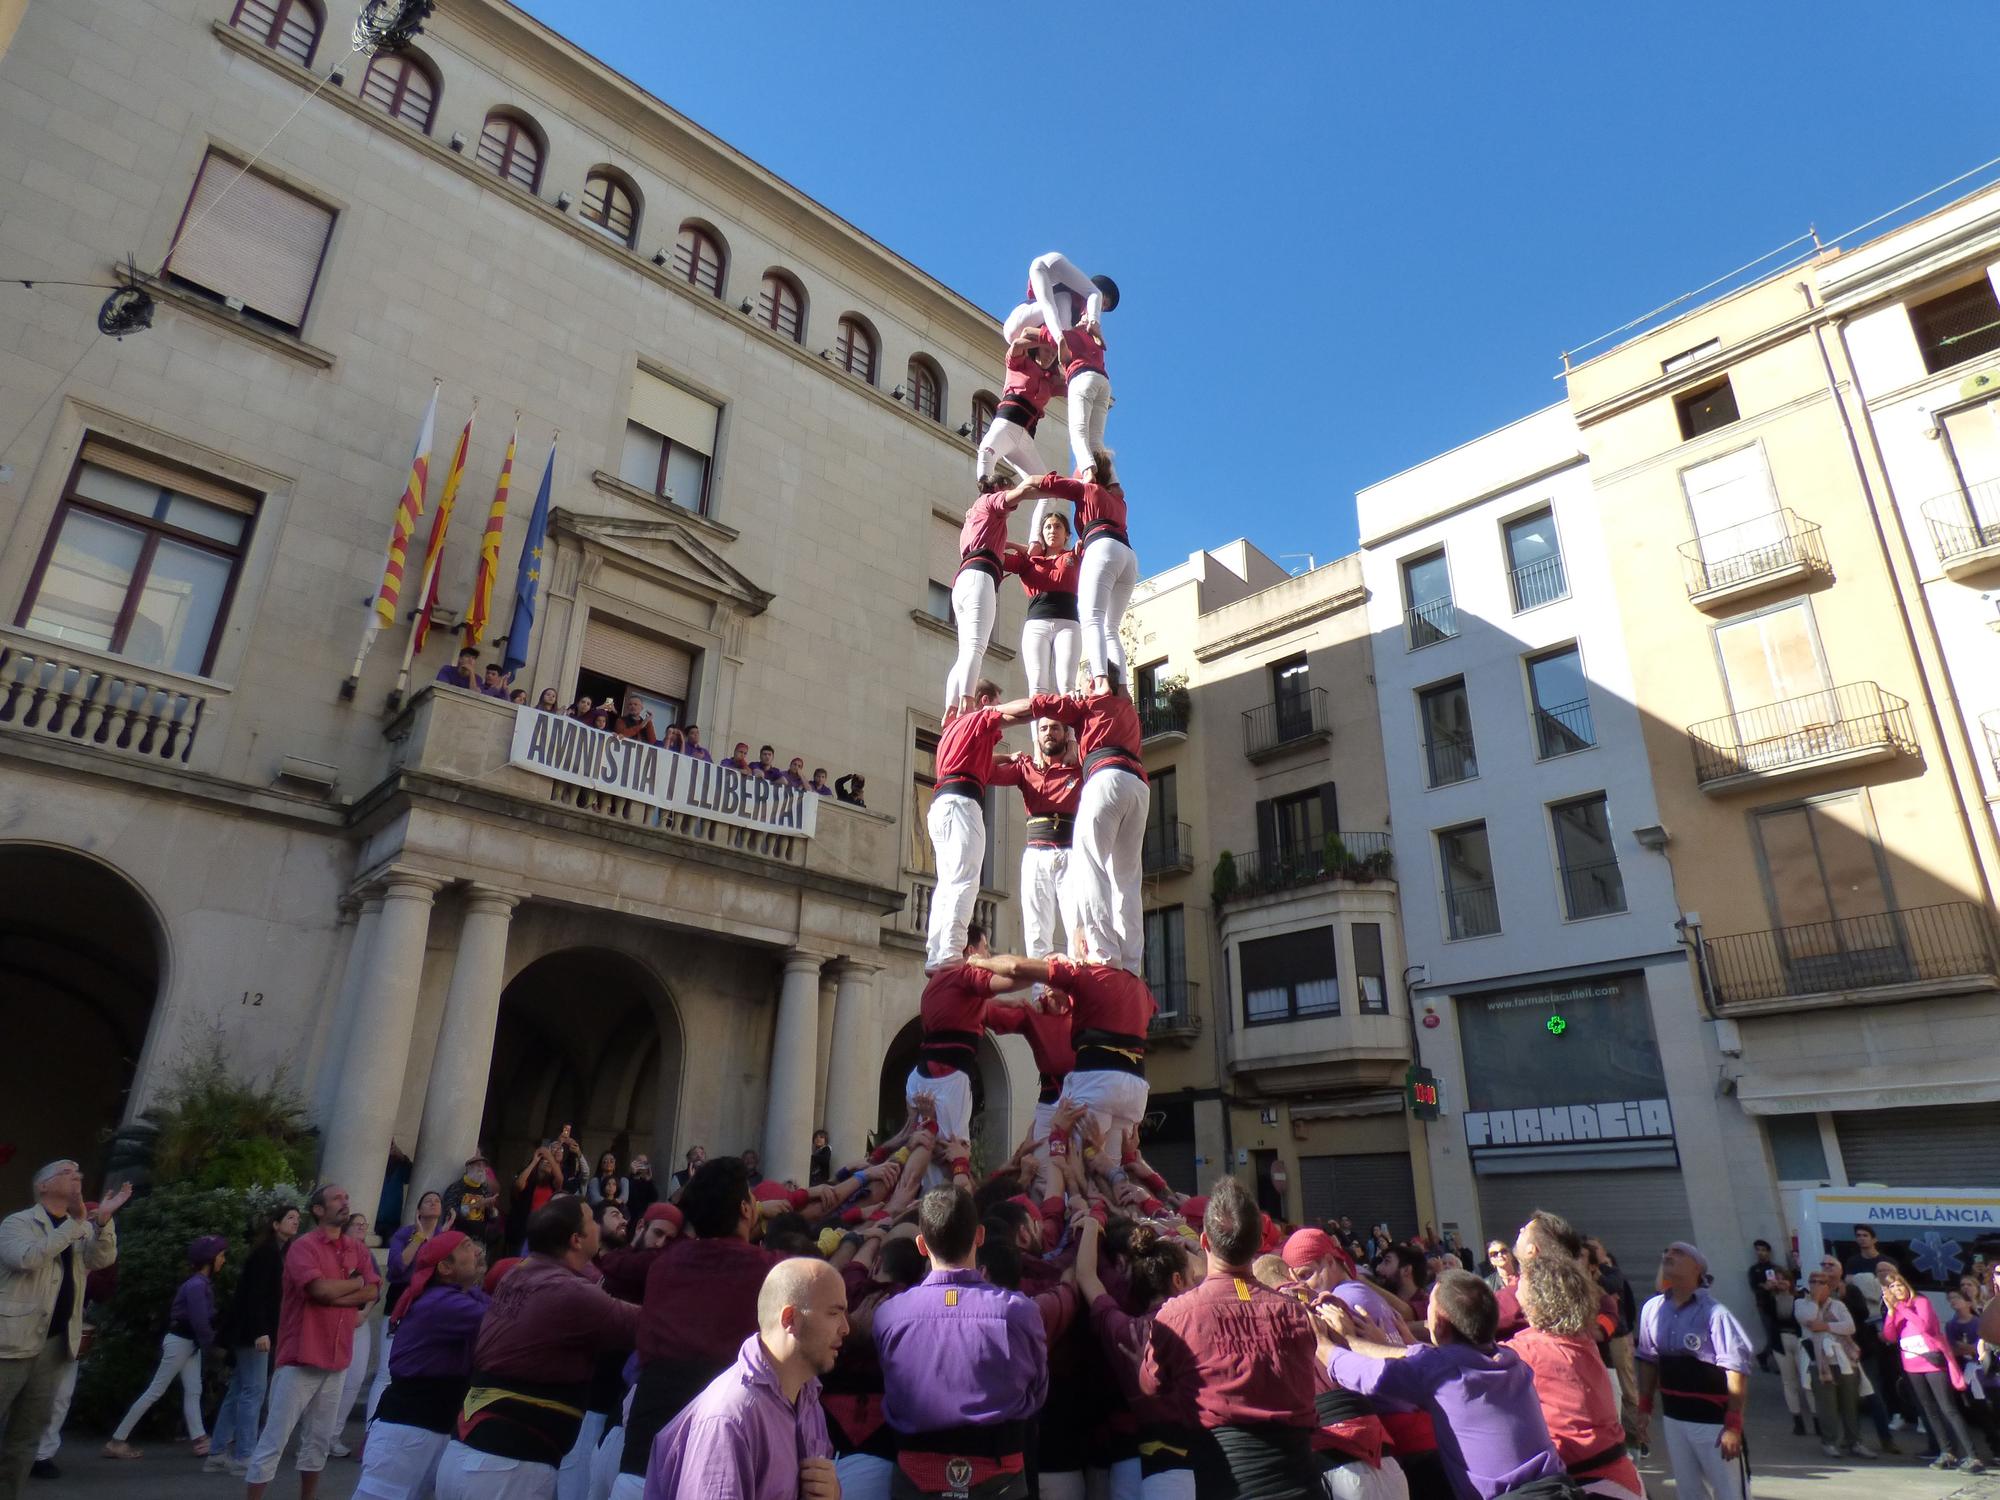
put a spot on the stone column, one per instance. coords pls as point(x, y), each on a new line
point(824, 1045)
point(854, 1061)
point(455, 1097)
point(788, 1122)
point(326, 1085)
point(363, 1115)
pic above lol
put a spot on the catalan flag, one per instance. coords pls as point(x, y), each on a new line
point(409, 510)
point(434, 552)
point(528, 581)
point(481, 609)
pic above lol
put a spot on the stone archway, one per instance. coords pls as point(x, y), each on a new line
point(589, 1038)
point(82, 956)
point(992, 1139)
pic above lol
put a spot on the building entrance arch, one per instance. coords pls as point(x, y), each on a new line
point(82, 955)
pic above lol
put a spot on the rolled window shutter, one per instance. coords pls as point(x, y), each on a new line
point(1329, 808)
point(246, 237)
point(673, 413)
point(637, 660)
point(943, 551)
point(167, 477)
point(1267, 831)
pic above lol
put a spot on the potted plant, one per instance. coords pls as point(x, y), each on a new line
point(1339, 864)
point(1222, 884)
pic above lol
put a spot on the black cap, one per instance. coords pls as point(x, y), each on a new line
point(1108, 288)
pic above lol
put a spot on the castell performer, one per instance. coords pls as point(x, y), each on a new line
point(1049, 569)
point(1051, 784)
point(436, 1323)
point(957, 821)
point(975, 590)
point(1031, 380)
point(953, 1011)
point(1071, 305)
point(1695, 1357)
point(1109, 568)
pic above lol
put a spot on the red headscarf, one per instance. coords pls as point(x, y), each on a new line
point(498, 1269)
point(668, 1211)
point(435, 1249)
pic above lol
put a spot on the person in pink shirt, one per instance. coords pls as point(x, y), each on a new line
point(328, 1278)
point(1911, 1324)
point(1578, 1394)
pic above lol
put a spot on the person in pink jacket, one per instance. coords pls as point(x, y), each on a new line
point(1911, 1324)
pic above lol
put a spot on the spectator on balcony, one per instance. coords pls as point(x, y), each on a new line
point(495, 685)
point(767, 764)
point(695, 749)
point(674, 739)
point(518, 695)
point(818, 783)
point(583, 708)
point(850, 787)
point(739, 759)
point(696, 1155)
point(548, 701)
point(463, 672)
point(636, 723)
point(794, 775)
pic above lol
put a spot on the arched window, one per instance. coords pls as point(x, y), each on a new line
point(511, 149)
point(403, 87)
point(926, 389)
point(611, 203)
point(699, 257)
point(781, 306)
point(854, 348)
point(984, 405)
point(289, 28)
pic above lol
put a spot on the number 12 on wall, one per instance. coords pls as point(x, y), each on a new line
point(253, 997)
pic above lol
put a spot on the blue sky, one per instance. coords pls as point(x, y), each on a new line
point(1348, 237)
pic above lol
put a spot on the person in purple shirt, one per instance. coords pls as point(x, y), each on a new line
point(794, 775)
point(1696, 1358)
point(1322, 1265)
point(693, 747)
point(818, 783)
point(495, 683)
point(1481, 1396)
point(190, 1332)
point(463, 672)
point(965, 1365)
point(757, 1432)
point(435, 1325)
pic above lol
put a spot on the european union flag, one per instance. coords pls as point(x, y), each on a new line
point(528, 580)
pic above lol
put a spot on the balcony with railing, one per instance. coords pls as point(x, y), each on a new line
point(1167, 849)
point(1965, 529)
point(1563, 729)
point(915, 919)
point(1540, 582)
point(1359, 857)
point(1427, 624)
point(1449, 759)
point(1471, 911)
point(1852, 724)
point(1891, 955)
point(1285, 724)
point(1756, 556)
point(61, 695)
point(1596, 889)
point(1162, 717)
point(1179, 1016)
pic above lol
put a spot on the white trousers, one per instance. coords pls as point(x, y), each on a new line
point(467, 1474)
point(1056, 286)
point(357, 1375)
point(1088, 401)
point(59, 1412)
point(633, 1487)
point(304, 1398)
point(958, 839)
point(1700, 1471)
point(1174, 1484)
point(400, 1462)
point(381, 1381)
point(1359, 1481)
point(1049, 651)
point(1011, 441)
point(863, 1476)
point(953, 1094)
point(1042, 899)
point(1115, 1101)
point(178, 1357)
point(604, 1463)
point(974, 604)
point(1104, 587)
point(1104, 869)
point(573, 1476)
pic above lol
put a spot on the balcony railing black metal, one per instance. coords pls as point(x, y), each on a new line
point(1856, 716)
point(1167, 847)
point(1593, 890)
point(1177, 999)
point(1563, 729)
point(1540, 582)
point(1285, 721)
point(1430, 623)
point(1162, 716)
point(1750, 550)
point(1450, 758)
point(1471, 911)
point(1361, 856)
point(1953, 940)
point(1964, 521)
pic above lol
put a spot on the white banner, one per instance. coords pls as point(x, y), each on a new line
point(566, 749)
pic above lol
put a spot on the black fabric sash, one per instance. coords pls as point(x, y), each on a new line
point(665, 1387)
point(960, 786)
point(1052, 831)
point(427, 1401)
point(1057, 604)
point(1113, 758)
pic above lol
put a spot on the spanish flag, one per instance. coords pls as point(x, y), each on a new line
point(481, 609)
point(433, 553)
point(409, 510)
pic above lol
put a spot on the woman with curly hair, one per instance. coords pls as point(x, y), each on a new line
point(1579, 1399)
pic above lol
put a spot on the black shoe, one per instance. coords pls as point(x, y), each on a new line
point(1798, 1426)
point(1944, 1461)
point(44, 1468)
point(1972, 1466)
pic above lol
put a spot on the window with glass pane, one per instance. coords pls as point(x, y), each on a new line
point(1427, 606)
point(938, 601)
point(921, 857)
point(1561, 701)
point(1290, 976)
point(610, 204)
point(1592, 886)
point(1300, 821)
point(1471, 903)
point(1166, 960)
point(402, 88)
point(1371, 978)
point(1534, 560)
point(1291, 691)
point(135, 568)
point(1449, 756)
point(781, 308)
point(1163, 830)
point(698, 259)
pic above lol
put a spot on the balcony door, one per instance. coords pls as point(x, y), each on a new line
point(1774, 658)
point(1973, 433)
point(1830, 896)
point(1291, 691)
point(1734, 507)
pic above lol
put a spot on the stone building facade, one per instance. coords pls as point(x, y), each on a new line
point(766, 427)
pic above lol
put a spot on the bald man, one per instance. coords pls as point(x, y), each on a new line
point(758, 1432)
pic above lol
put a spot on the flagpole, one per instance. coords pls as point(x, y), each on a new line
point(353, 682)
point(423, 598)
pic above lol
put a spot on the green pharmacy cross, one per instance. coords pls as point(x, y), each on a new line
point(1557, 1026)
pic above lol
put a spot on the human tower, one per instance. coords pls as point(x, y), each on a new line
point(1082, 1004)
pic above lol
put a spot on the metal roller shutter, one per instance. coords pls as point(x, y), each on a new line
point(1635, 1212)
point(1375, 1188)
point(639, 661)
point(1174, 1160)
point(245, 236)
point(1940, 1145)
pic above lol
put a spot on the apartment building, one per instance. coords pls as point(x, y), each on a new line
point(767, 422)
point(1808, 667)
point(1557, 1008)
point(1271, 890)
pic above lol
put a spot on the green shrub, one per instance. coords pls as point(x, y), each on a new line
point(1222, 884)
point(218, 1131)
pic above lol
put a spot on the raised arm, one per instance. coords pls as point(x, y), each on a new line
point(1016, 967)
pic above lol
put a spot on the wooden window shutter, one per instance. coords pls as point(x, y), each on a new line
point(167, 476)
point(246, 237)
point(1267, 831)
point(673, 413)
point(1329, 808)
point(639, 661)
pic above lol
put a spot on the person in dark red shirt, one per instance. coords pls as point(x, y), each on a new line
point(1048, 1038)
point(982, 539)
point(1048, 569)
point(1071, 306)
point(1031, 380)
point(1110, 568)
point(1051, 783)
point(957, 820)
point(1246, 1353)
point(957, 1000)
